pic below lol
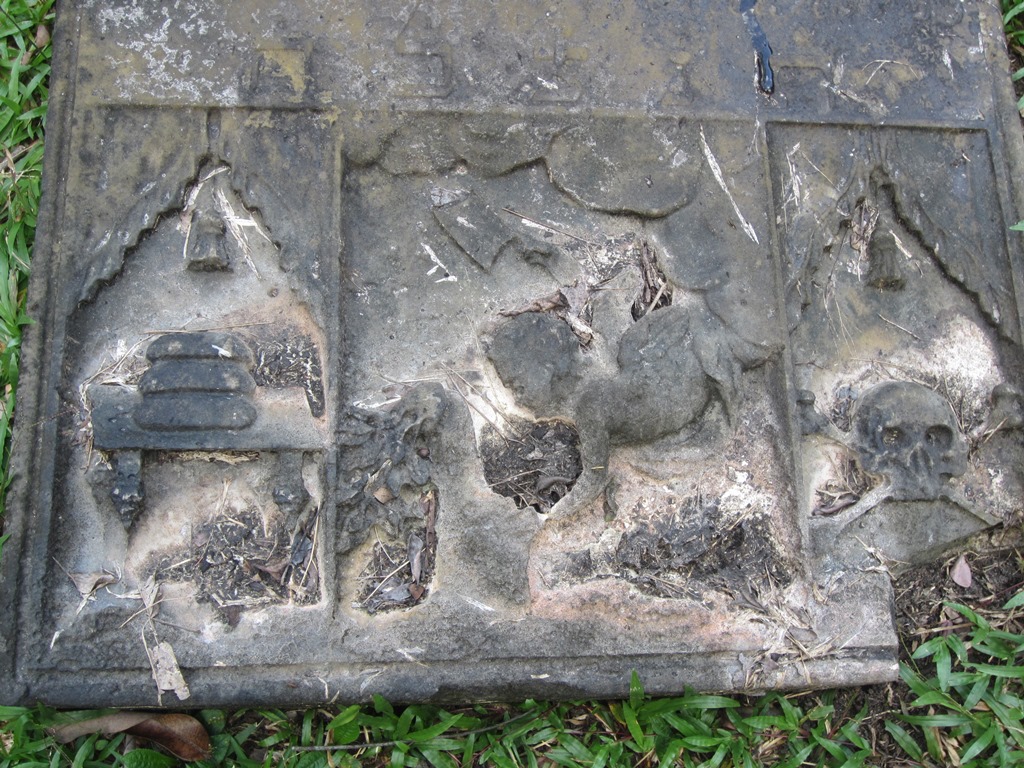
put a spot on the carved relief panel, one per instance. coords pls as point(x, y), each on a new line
point(483, 348)
point(904, 336)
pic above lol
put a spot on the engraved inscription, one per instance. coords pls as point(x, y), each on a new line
point(426, 57)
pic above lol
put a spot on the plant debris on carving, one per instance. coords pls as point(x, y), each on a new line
point(696, 540)
point(571, 304)
point(536, 466)
point(655, 291)
point(235, 564)
point(397, 575)
point(838, 494)
point(293, 361)
point(386, 463)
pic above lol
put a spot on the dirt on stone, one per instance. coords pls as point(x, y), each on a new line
point(238, 563)
point(922, 593)
point(692, 545)
point(398, 574)
point(713, 547)
point(535, 463)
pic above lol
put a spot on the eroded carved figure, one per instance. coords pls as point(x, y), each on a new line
point(671, 364)
point(907, 433)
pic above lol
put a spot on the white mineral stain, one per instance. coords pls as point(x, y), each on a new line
point(169, 49)
point(962, 351)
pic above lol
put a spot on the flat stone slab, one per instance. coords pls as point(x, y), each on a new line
point(468, 350)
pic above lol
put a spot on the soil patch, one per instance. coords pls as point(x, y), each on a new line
point(398, 574)
point(238, 563)
point(536, 465)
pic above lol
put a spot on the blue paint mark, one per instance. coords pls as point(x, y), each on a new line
point(762, 50)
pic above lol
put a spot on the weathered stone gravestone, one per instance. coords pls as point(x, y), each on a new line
point(470, 350)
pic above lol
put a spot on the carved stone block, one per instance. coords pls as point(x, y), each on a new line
point(470, 350)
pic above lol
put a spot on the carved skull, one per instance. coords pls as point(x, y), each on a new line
point(907, 433)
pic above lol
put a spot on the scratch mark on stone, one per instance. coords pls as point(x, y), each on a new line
point(448, 276)
point(237, 225)
point(794, 179)
point(877, 109)
point(948, 62)
point(716, 169)
point(410, 654)
point(373, 673)
point(477, 604)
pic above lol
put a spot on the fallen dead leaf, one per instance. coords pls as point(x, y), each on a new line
point(551, 302)
point(88, 583)
point(107, 724)
point(428, 503)
point(151, 596)
point(416, 557)
point(166, 671)
point(274, 569)
point(960, 573)
point(181, 735)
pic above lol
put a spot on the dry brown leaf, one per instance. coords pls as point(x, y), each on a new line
point(181, 735)
point(960, 573)
point(428, 503)
point(166, 671)
point(415, 557)
point(107, 724)
point(549, 303)
point(151, 596)
point(384, 495)
point(87, 583)
point(275, 569)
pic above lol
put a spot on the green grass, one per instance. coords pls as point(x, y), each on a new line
point(961, 702)
point(1013, 22)
point(975, 694)
point(24, 77)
